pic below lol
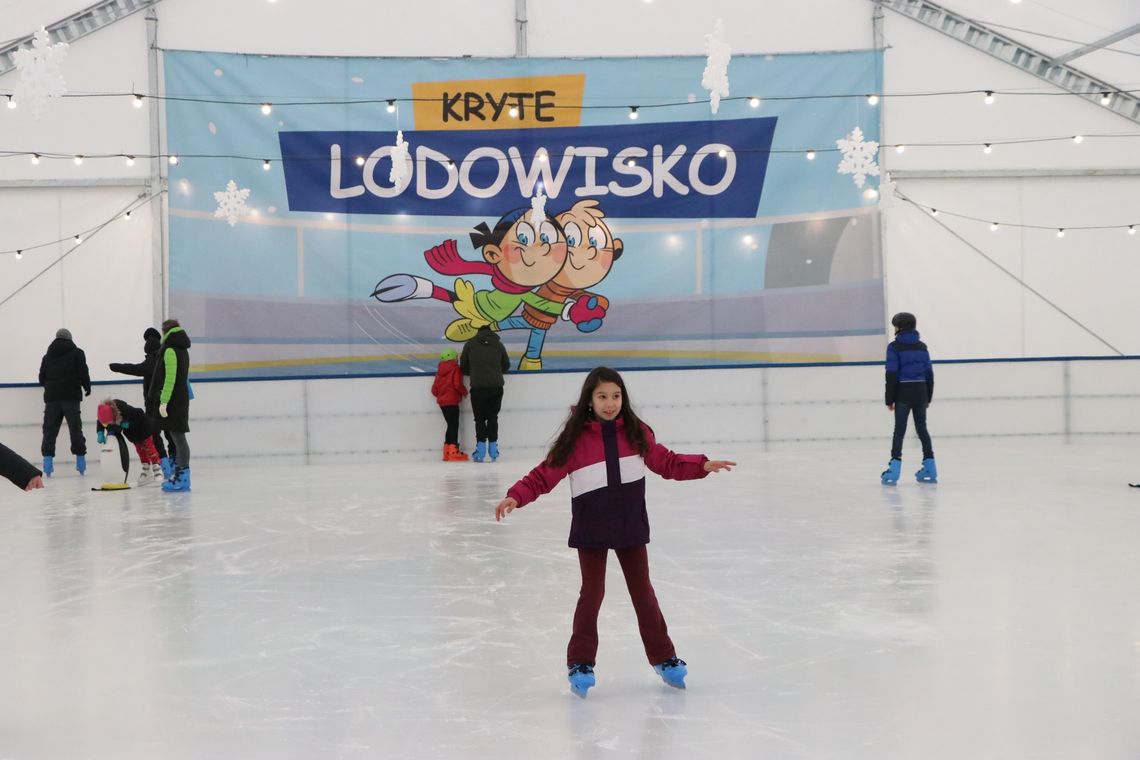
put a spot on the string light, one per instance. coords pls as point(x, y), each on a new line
point(265, 164)
point(360, 160)
point(993, 227)
point(514, 112)
point(19, 254)
point(870, 193)
point(1078, 139)
point(267, 108)
point(391, 106)
point(35, 158)
point(78, 160)
point(810, 155)
point(900, 148)
point(138, 100)
point(127, 216)
point(1061, 232)
point(1132, 229)
point(934, 212)
point(722, 152)
point(78, 239)
point(1105, 98)
point(12, 103)
point(754, 102)
point(631, 162)
point(989, 97)
point(130, 160)
point(872, 99)
point(542, 155)
point(987, 149)
point(633, 112)
point(173, 160)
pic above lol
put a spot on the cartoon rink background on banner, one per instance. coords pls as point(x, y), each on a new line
point(754, 257)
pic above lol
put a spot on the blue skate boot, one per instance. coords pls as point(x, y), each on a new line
point(480, 451)
point(81, 464)
point(672, 672)
point(890, 475)
point(179, 482)
point(167, 467)
point(493, 450)
point(928, 473)
point(49, 468)
point(581, 678)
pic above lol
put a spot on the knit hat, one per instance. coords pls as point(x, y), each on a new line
point(105, 414)
point(64, 333)
point(151, 334)
point(447, 354)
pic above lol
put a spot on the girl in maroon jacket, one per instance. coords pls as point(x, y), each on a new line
point(605, 449)
point(449, 390)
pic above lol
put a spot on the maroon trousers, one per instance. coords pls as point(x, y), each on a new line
point(635, 566)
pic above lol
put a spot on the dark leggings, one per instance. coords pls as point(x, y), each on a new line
point(486, 403)
point(634, 561)
point(911, 399)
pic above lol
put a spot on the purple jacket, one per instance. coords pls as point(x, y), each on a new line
point(607, 485)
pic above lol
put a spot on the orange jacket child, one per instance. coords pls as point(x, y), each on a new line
point(449, 390)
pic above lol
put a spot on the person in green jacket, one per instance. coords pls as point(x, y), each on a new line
point(168, 401)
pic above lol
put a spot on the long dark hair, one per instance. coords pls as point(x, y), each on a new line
point(583, 412)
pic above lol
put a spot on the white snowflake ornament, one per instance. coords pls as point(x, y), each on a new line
point(858, 157)
point(887, 197)
point(715, 78)
point(40, 77)
point(231, 203)
point(399, 160)
point(538, 208)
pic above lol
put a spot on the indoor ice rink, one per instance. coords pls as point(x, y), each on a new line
point(329, 587)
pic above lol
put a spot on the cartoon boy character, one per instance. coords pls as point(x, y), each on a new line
point(519, 254)
point(591, 252)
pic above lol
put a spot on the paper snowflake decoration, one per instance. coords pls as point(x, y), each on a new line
point(231, 203)
point(715, 78)
point(887, 197)
point(40, 77)
point(858, 157)
point(538, 208)
point(399, 160)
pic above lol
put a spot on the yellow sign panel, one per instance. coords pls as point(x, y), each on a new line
point(512, 103)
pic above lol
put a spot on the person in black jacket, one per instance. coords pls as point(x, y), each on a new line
point(485, 359)
point(122, 420)
point(65, 379)
point(168, 401)
point(152, 338)
point(20, 471)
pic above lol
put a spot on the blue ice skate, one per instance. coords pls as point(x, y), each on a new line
point(179, 482)
point(480, 452)
point(81, 464)
point(890, 475)
point(167, 467)
point(581, 677)
point(49, 468)
point(493, 450)
point(672, 672)
point(928, 473)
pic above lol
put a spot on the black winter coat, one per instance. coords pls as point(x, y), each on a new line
point(485, 359)
point(63, 372)
point(17, 469)
point(169, 386)
point(136, 424)
point(145, 368)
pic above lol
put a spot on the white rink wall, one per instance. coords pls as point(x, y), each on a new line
point(721, 411)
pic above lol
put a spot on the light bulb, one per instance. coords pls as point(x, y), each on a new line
point(1078, 139)
point(78, 239)
point(173, 160)
point(810, 155)
point(130, 160)
point(542, 155)
point(754, 102)
point(11, 103)
point(870, 193)
point(360, 160)
point(631, 162)
point(989, 97)
point(1105, 98)
point(993, 227)
point(722, 152)
point(1132, 229)
point(934, 212)
point(19, 254)
point(633, 112)
point(267, 108)
point(514, 112)
point(987, 149)
point(1061, 232)
point(35, 158)
point(900, 148)
point(78, 160)
point(872, 99)
point(391, 106)
point(265, 164)
point(138, 101)
point(127, 216)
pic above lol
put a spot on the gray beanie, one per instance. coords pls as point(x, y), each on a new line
point(64, 333)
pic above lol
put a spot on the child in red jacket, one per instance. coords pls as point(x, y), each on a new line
point(605, 450)
point(449, 390)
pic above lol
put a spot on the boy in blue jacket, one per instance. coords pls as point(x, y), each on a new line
point(910, 389)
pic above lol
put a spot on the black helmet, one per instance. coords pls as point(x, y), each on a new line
point(904, 321)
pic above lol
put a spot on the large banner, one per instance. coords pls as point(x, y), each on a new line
point(352, 216)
